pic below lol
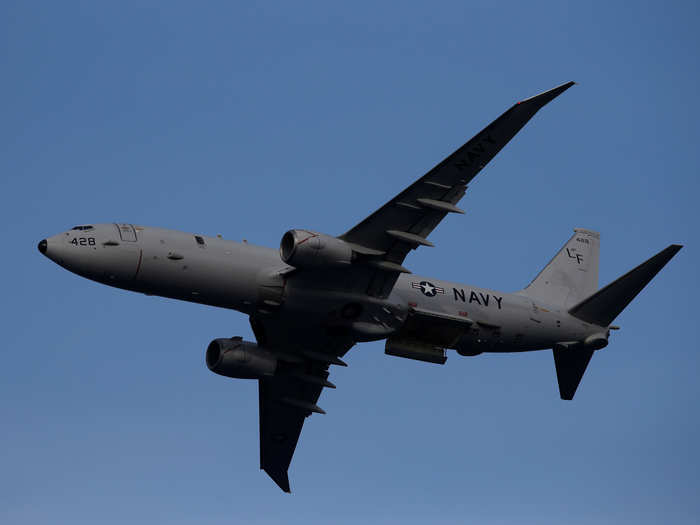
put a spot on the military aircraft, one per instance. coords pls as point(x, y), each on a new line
point(313, 299)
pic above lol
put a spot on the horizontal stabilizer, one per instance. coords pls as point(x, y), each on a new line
point(605, 305)
point(280, 478)
point(571, 364)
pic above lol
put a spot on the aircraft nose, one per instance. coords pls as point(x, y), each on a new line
point(42, 246)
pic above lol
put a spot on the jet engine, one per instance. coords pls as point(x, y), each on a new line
point(307, 249)
point(596, 341)
point(238, 358)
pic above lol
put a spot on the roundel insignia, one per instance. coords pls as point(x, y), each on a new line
point(428, 289)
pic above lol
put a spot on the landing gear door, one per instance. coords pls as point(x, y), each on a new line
point(126, 232)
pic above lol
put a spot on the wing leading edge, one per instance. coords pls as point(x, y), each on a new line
point(405, 222)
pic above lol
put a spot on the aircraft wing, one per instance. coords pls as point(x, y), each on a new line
point(290, 396)
point(284, 404)
point(405, 222)
point(382, 241)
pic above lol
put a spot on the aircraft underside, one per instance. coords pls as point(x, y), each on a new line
point(318, 295)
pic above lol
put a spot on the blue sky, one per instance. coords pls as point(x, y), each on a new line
point(248, 120)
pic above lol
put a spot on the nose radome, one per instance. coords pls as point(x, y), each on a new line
point(42, 246)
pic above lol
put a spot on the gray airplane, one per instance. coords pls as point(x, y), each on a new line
point(310, 301)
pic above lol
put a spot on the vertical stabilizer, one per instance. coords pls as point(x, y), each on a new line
point(572, 274)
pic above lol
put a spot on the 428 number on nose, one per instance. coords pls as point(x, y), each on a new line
point(83, 241)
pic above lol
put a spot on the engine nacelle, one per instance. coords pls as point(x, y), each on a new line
point(596, 341)
point(307, 249)
point(238, 358)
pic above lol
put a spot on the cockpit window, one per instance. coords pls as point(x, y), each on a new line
point(82, 228)
point(199, 239)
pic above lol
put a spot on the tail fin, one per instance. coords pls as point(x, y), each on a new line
point(572, 274)
point(604, 306)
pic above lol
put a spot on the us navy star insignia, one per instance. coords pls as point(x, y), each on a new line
point(428, 289)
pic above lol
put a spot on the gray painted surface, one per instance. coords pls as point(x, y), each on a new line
point(311, 301)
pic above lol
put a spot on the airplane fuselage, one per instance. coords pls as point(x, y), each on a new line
point(255, 281)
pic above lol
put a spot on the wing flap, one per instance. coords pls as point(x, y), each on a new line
point(437, 328)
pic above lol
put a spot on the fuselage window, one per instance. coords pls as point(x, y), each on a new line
point(199, 239)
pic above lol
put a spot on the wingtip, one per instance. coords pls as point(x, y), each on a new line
point(547, 96)
point(672, 250)
point(566, 397)
point(280, 478)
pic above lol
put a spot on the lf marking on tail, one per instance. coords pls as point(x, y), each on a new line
point(575, 255)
